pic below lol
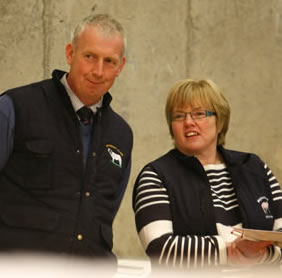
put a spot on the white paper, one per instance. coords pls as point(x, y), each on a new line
point(275, 237)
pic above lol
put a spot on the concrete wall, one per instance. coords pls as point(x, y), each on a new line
point(237, 43)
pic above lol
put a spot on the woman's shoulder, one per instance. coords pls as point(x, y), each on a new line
point(239, 157)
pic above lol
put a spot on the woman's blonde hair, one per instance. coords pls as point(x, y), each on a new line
point(204, 93)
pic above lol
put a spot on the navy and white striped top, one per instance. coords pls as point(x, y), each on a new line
point(155, 229)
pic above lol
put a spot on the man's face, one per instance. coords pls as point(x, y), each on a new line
point(95, 61)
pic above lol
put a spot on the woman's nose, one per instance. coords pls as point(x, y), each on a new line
point(188, 119)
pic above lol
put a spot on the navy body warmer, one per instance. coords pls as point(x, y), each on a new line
point(190, 195)
point(48, 201)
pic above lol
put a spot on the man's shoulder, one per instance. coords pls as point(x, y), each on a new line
point(118, 118)
point(31, 87)
point(37, 85)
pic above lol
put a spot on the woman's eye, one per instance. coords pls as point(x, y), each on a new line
point(199, 113)
point(179, 116)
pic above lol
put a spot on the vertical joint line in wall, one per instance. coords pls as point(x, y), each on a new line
point(189, 28)
point(45, 21)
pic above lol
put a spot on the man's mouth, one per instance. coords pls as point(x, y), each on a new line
point(95, 82)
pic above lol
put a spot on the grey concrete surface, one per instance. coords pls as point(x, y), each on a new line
point(237, 43)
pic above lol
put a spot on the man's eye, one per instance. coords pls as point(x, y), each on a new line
point(110, 61)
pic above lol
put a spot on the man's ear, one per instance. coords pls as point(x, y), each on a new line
point(69, 53)
point(122, 63)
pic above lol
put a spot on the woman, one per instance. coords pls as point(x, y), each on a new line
point(187, 202)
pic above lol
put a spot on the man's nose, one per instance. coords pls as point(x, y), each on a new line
point(98, 68)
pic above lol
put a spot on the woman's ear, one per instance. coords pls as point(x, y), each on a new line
point(219, 127)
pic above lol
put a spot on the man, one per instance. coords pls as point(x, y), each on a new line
point(63, 169)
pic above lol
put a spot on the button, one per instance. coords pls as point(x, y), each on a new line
point(87, 194)
point(94, 154)
point(79, 237)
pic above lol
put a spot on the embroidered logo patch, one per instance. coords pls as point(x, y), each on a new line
point(116, 155)
point(263, 201)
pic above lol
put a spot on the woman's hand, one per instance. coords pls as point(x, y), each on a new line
point(242, 251)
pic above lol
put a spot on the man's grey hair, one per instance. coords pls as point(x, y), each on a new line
point(105, 23)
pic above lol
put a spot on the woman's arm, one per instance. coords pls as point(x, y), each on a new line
point(275, 253)
point(155, 228)
point(276, 195)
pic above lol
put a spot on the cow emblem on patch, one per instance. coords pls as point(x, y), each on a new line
point(263, 201)
point(116, 155)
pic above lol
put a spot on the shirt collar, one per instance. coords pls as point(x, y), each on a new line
point(76, 103)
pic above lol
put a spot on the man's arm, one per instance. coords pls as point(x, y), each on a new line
point(7, 127)
point(123, 186)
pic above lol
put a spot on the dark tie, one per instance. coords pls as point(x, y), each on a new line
point(85, 114)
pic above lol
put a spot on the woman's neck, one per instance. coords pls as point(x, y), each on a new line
point(210, 159)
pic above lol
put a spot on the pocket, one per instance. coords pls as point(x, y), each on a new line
point(38, 168)
point(30, 217)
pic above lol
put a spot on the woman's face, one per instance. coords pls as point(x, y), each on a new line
point(194, 137)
